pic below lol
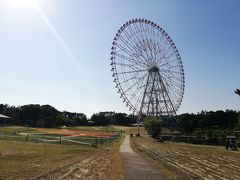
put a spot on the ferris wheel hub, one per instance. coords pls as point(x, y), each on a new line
point(153, 69)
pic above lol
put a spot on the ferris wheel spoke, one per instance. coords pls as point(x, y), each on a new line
point(145, 43)
point(129, 59)
point(134, 94)
point(127, 72)
point(171, 71)
point(172, 76)
point(132, 61)
point(132, 49)
point(129, 45)
point(139, 99)
point(132, 78)
point(144, 39)
point(169, 62)
point(173, 88)
point(153, 44)
point(131, 40)
point(151, 32)
point(139, 42)
point(172, 66)
point(160, 38)
point(132, 36)
point(172, 84)
point(151, 48)
point(166, 51)
point(131, 66)
point(172, 81)
point(134, 84)
point(175, 96)
point(174, 101)
point(140, 34)
point(154, 33)
point(166, 57)
point(144, 30)
point(129, 52)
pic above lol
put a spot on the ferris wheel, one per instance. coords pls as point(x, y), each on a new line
point(147, 69)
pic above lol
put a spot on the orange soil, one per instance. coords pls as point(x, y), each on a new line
point(71, 132)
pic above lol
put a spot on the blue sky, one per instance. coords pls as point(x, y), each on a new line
point(59, 53)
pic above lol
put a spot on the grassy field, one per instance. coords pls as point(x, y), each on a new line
point(88, 135)
point(13, 130)
point(94, 128)
point(189, 161)
point(28, 160)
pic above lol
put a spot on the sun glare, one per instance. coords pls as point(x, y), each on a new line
point(22, 3)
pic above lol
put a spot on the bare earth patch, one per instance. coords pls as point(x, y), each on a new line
point(20, 160)
point(191, 161)
point(92, 166)
point(73, 132)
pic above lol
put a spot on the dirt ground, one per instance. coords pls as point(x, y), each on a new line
point(72, 132)
point(100, 165)
point(92, 166)
point(191, 161)
point(20, 160)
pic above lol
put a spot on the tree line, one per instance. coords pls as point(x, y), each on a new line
point(214, 120)
point(109, 117)
point(210, 124)
point(36, 115)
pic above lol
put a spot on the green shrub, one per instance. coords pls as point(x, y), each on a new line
point(152, 125)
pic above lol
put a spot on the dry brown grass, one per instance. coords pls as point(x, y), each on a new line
point(115, 169)
point(26, 160)
point(103, 164)
point(191, 161)
point(21, 160)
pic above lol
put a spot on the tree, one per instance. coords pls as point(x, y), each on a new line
point(100, 119)
point(237, 91)
point(152, 125)
point(237, 126)
point(188, 123)
point(124, 119)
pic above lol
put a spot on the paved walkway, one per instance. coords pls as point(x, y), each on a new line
point(135, 167)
